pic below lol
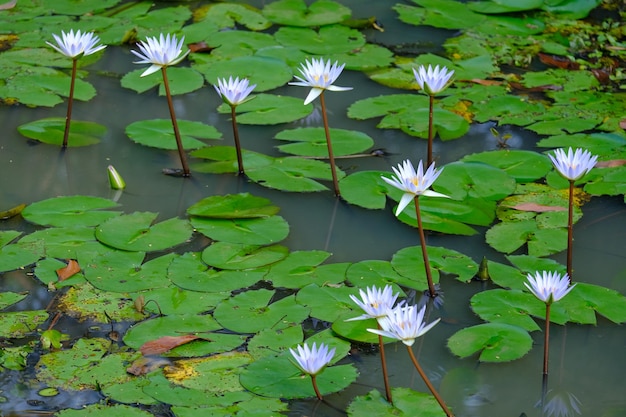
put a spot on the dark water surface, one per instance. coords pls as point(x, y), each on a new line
point(587, 362)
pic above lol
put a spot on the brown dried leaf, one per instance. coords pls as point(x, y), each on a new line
point(485, 82)
point(622, 124)
point(611, 164)
point(537, 89)
point(200, 47)
point(71, 269)
point(558, 61)
point(8, 5)
point(165, 343)
point(539, 208)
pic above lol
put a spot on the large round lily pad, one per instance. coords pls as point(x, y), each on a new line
point(495, 342)
point(70, 211)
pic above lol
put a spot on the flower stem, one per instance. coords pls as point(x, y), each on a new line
point(383, 361)
point(570, 229)
point(233, 118)
point(68, 117)
point(429, 277)
point(331, 158)
point(317, 391)
point(428, 383)
point(431, 105)
point(546, 340)
point(179, 143)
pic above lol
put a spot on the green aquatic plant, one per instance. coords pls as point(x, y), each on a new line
point(320, 76)
point(74, 46)
point(161, 53)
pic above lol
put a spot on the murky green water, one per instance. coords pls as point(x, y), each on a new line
point(587, 362)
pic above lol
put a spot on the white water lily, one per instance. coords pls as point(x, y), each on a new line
point(162, 52)
point(375, 302)
point(549, 286)
point(413, 183)
point(234, 92)
point(320, 76)
point(76, 44)
point(312, 360)
point(433, 81)
point(404, 323)
point(573, 164)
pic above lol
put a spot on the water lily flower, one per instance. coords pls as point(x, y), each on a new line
point(76, 44)
point(573, 164)
point(404, 323)
point(320, 76)
point(413, 183)
point(313, 360)
point(433, 81)
point(234, 92)
point(549, 286)
point(163, 52)
point(375, 302)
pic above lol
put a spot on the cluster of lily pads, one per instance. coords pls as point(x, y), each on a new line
point(215, 300)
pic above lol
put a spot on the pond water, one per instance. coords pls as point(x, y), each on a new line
point(587, 362)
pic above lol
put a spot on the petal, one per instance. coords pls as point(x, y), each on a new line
point(313, 94)
point(404, 201)
point(151, 70)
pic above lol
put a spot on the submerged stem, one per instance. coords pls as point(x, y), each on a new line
point(179, 143)
point(233, 114)
point(429, 277)
point(570, 229)
point(429, 384)
point(331, 158)
point(546, 340)
point(70, 101)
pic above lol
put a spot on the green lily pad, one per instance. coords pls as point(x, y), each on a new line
point(332, 39)
point(216, 375)
point(70, 211)
point(447, 14)
point(357, 329)
point(524, 166)
point(446, 124)
point(46, 272)
point(8, 298)
point(233, 206)
point(506, 276)
point(327, 303)
point(136, 232)
point(84, 7)
point(504, 6)
point(175, 325)
point(460, 180)
point(223, 159)
point(365, 189)
point(252, 311)
point(265, 72)
point(293, 174)
point(392, 108)
point(159, 133)
point(278, 377)
point(20, 254)
point(181, 81)
point(103, 410)
point(185, 399)
point(587, 299)
point(86, 302)
point(514, 308)
point(301, 268)
point(50, 130)
point(189, 272)
point(409, 262)
point(258, 231)
point(311, 141)
point(225, 15)
point(18, 324)
point(62, 242)
point(366, 58)
point(405, 402)
point(496, 342)
point(269, 109)
point(120, 271)
point(173, 300)
point(269, 342)
point(507, 237)
point(376, 273)
point(225, 255)
point(297, 13)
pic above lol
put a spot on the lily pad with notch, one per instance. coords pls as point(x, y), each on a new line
point(70, 211)
point(265, 72)
point(494, 342)
point(301, 268)
point(180, 80)
point(327, 40)
point(233, 206)
point(298, 13)
point(159, 133)
point(232, 256)
point(137, 232)
point(269, 109)
point(311, 141)
point(50, 130)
